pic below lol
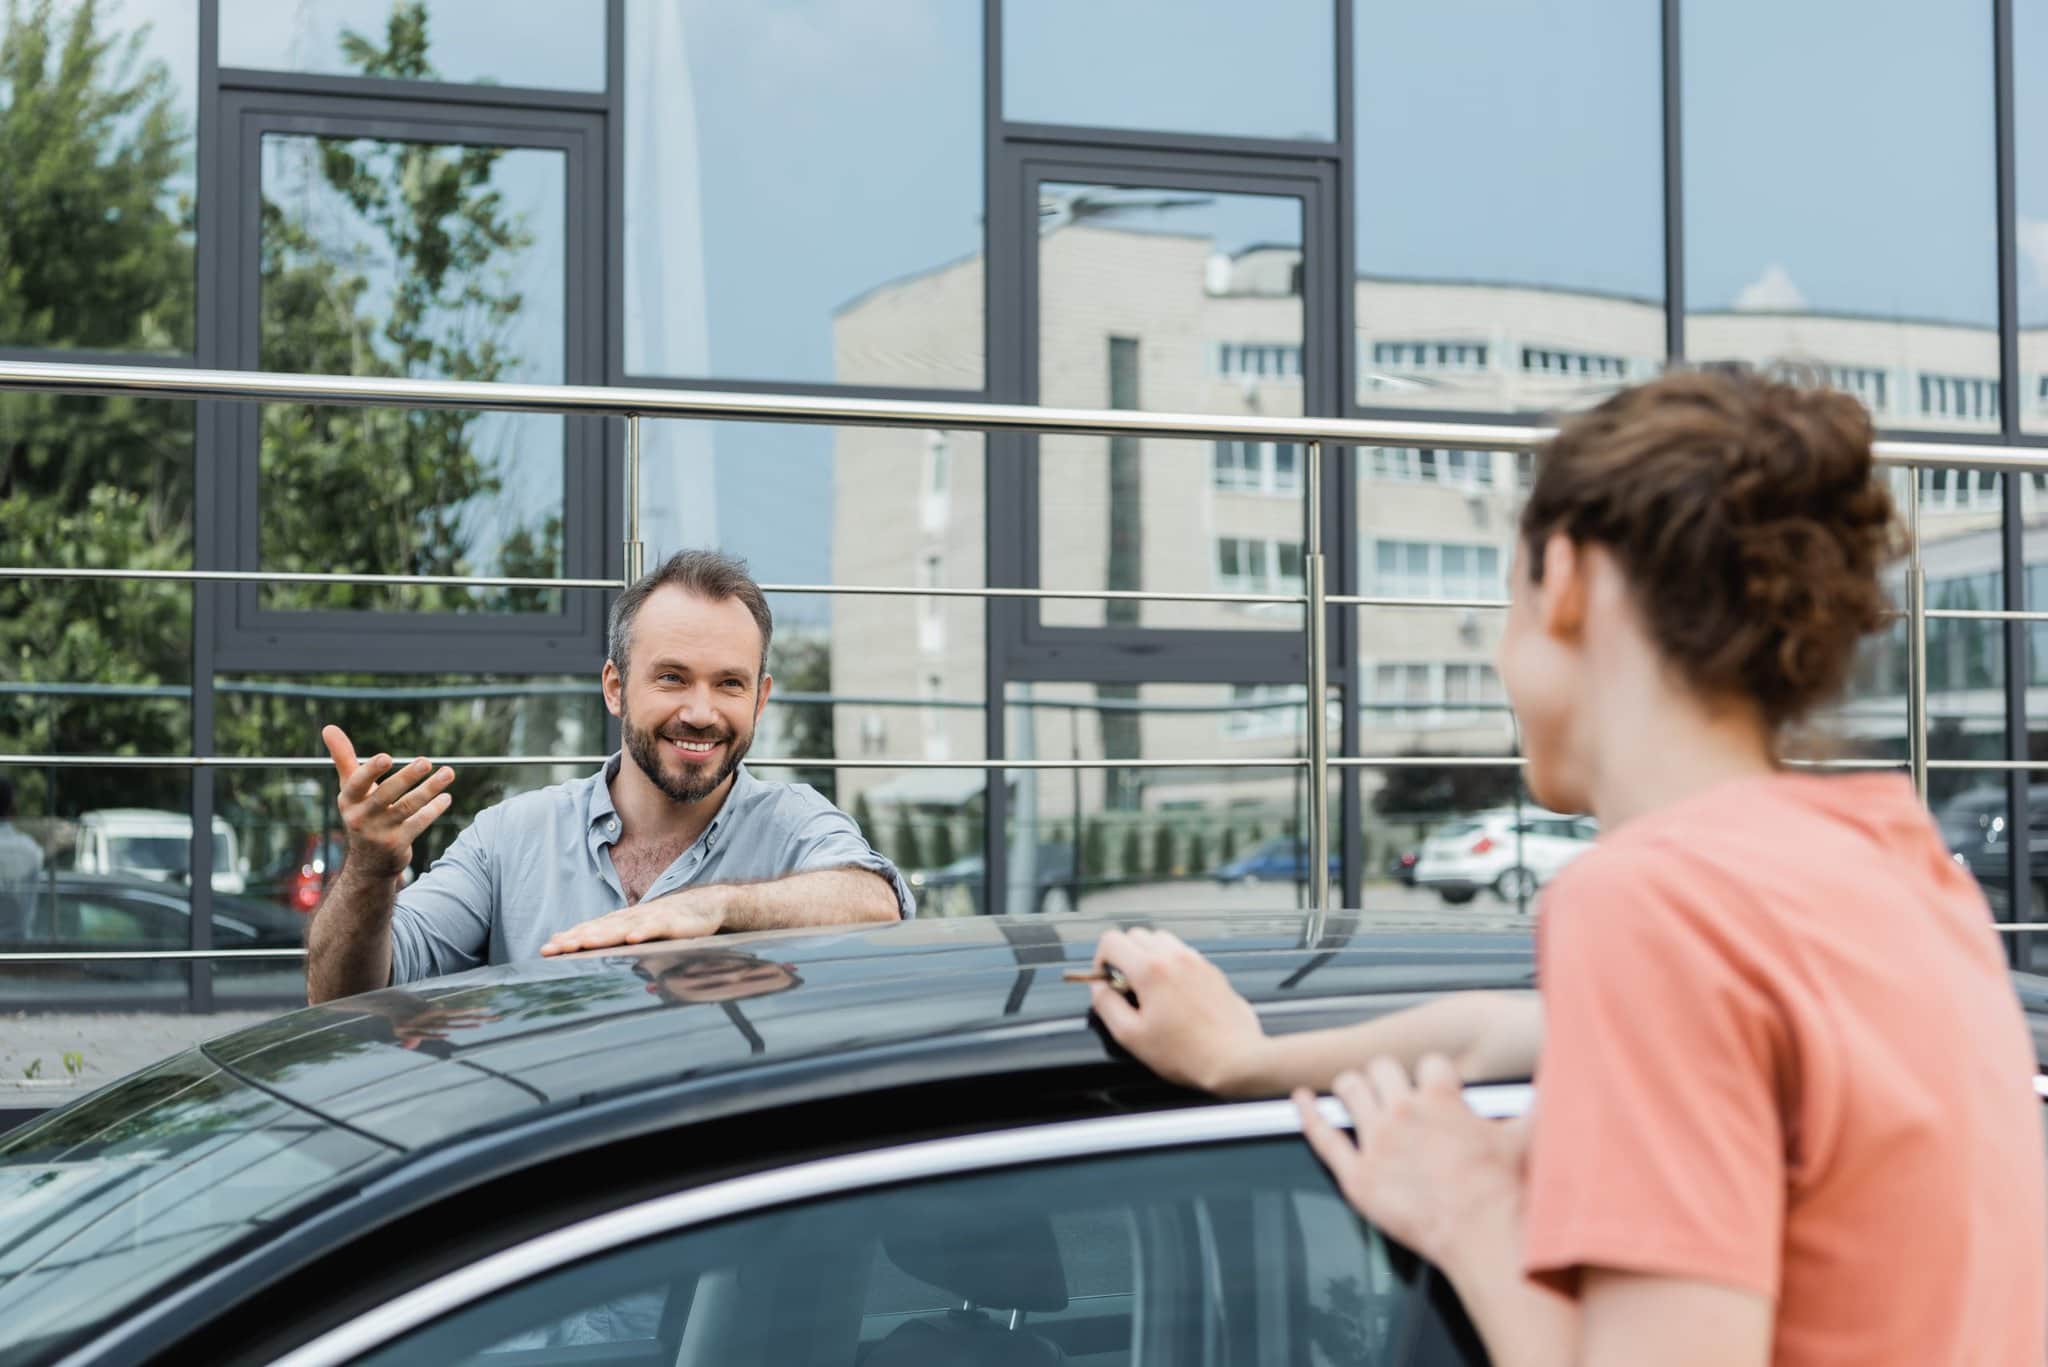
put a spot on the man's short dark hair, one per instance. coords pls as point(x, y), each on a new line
point(707, 574)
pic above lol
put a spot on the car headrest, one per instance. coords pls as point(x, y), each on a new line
point(986, 1255)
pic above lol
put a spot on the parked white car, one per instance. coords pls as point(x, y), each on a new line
point(140, 842)
point(1510, 852)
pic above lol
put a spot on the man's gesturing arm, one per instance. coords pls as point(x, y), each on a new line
point(348, 945)
point(824, 897)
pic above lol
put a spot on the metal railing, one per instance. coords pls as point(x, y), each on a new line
point(636, 404)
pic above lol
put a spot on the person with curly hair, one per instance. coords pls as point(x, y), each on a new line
point(1785, 1110)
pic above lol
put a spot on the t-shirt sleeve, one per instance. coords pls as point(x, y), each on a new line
point(442, 921)
point(1658, 1141)
point(826, 838)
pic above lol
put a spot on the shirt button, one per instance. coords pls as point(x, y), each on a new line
point(611, 827)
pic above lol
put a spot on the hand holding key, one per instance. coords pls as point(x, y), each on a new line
point(383, 819)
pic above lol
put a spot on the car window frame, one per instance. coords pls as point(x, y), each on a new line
point(815, 1179)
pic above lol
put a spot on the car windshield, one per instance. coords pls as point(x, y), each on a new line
point(105, 1203)
point(1452, 830)
point(162, 853)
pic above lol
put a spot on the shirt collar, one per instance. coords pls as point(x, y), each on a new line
point(603, 816)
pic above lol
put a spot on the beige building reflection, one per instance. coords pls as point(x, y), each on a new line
point(1187, 328)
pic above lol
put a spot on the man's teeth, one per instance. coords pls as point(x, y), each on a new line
point(695, 747)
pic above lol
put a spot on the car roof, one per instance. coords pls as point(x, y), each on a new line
point(931, 996)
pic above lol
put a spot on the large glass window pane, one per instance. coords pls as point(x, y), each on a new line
point(2030, 186)
point(857, 676)
point(1876, 259)
point(1177, 66)
point(285, 823)
point(803, 192)
point(419, 260)
point(99, 859)
point(1166, 300)
point(97, 110)
point(1222, 837)
point(95, 666)
point(1510, 238)
point(545, 44)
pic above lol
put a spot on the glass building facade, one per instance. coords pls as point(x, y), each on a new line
point(1305, 207)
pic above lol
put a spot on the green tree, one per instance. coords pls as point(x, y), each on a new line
point(96, 237)
point(1131, 858)
point(95, 251)
point(438, 228)
point(943, 850)
point(1198, 852)
point(909, 853)
point(864, 817)
point(1094, 851)
point(1423, 790)
point(1227, 850)
point(1162, 852)
point(803, 666)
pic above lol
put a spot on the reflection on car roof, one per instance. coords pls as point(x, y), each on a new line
point(416, 1064)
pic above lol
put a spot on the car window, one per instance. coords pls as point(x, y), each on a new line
point(1228, 1254)
point(100, 919)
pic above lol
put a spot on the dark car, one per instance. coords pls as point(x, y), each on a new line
point(961, 887)
point(1973, 824)
point(1276, 861)
point(1401, 867)
point(80, 911)
point(879, 1146)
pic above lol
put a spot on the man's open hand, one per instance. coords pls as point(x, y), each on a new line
point(383, 819)
point(687, 915)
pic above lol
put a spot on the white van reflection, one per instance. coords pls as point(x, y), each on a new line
point(139, 842)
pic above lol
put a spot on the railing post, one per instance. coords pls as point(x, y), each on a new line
point(1916, 638)
point(635, 559)
point(1317, 648)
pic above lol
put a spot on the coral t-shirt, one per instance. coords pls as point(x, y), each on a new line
point(1782, 1054)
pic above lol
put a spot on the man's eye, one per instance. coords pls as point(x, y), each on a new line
point(734, 684)
point(669, 678)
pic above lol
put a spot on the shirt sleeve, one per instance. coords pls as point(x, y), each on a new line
point(442, 922)
point(827, 838)
point(1658, 1143)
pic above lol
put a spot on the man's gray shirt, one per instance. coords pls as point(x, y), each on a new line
point(541, 862)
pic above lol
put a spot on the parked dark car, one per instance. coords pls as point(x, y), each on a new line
point(1401, 868)
point(961, 887)
point(1973, 824)
point(876, 1146)
point(1277, 861)
point(81, 911)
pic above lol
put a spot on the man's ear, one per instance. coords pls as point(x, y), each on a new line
point(614, 690)
point(761, 702)
point(1561, 596)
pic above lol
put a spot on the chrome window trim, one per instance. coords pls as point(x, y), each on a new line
point(829, 1177)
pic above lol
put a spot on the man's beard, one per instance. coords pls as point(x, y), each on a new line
point(645, 747)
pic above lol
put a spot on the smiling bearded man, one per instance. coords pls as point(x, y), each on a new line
point(672, 839)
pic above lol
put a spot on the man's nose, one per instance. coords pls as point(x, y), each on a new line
point(695, 709)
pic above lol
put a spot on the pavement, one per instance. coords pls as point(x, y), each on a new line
point(48, 1059)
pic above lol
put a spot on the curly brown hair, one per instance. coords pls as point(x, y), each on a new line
point(1744, 511)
